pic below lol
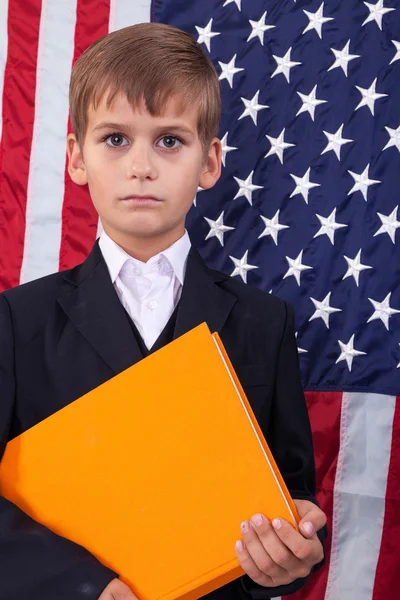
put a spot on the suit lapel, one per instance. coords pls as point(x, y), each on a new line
point(96, 311)
point(202, 300)
point(90, 301)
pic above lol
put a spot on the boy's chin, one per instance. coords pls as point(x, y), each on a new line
point(148, 231)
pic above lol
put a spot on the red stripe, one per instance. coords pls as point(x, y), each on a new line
point(79, 218)
point(18, 117)
point(324, 410)
point(387, 577)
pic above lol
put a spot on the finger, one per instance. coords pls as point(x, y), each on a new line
point(312, 517)
point(312, 522)
point(120, 591)
point(249, 567)
point(251, 532)
point(276, 549)
point(256, 549)
point(308, 551)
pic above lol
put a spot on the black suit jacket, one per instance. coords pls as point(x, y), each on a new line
point(65, 334)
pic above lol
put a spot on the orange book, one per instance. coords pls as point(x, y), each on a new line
point(154, 471)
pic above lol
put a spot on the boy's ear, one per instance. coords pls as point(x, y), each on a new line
point(211, 171)
point(76, 166)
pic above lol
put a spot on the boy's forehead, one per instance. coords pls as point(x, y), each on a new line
point(121, 110)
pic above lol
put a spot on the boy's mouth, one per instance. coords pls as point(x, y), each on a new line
point(136, 200)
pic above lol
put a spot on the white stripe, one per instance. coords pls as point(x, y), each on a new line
point(127, 12)
point(47, 165)
point(359, 497)
point(3, 53)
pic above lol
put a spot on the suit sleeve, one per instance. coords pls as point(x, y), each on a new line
point(290, 440)
point(35, 562)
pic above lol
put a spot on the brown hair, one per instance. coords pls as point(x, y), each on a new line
point(150, 62)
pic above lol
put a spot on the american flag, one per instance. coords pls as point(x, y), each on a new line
point(307, 208)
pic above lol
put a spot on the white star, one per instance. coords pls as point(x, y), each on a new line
point(205, 35)
point(296, 267)
point(272, 227)
point(390, 224)
point(303, 185)
point(329, 226)
point(383, 311)
point(226, 148)
point(246, 187)
point(376, 12)
point(259, 27)
point(241, 266)
point(335, 141)
point(316, 20)
point(310, 102)
point(397, 55)
point(343, 57)
point(229, 70)
point(362, 182)
point(278, 145)
point(217, 228)
point(284, 65)
point(355, 267)
point(348, 352)
point(300, 350)
point(369, 96)
point(252, 108)
point(394, 138)
point(323, 310)
point(237, 2)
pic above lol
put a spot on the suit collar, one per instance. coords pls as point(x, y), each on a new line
point(96, 311)
point(90, 301)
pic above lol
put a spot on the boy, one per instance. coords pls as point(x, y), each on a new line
point(145, 105)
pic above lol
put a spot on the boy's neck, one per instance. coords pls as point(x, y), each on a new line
point(144, 248)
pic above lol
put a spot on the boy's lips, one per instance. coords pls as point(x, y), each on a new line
point(141, 200)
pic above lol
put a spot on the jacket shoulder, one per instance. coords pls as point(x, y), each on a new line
point(45, 290)
point(29, 295)
point(256, 299)
point(30, 304)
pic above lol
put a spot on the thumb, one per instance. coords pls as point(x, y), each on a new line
point(312, 518)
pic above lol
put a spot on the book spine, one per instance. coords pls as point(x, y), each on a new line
point(274, 467)
point(207, 583)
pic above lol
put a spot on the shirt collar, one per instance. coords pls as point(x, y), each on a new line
point(115, 257)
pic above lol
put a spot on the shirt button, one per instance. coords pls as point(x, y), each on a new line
point(152, 304)
point(137, 271)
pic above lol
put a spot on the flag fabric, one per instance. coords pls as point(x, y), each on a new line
point(307, 208)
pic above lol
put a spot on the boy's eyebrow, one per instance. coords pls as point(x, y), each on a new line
point(122, 126)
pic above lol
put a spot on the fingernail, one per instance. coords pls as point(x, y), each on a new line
point(245, 526)
point(308, 528)
point(276, 523)
point(257, 520)
point(239, 546)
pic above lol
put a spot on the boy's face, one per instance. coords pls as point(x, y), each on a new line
point(143, 171)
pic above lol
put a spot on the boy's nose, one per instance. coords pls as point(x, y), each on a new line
point(141, 166)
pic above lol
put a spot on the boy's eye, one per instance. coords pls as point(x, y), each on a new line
point(170, 141)
point(116, 140)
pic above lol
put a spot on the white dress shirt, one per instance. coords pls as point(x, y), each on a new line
point(148, 291)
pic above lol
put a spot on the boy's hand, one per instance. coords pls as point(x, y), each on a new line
point(116, 590)
point(275, 553)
